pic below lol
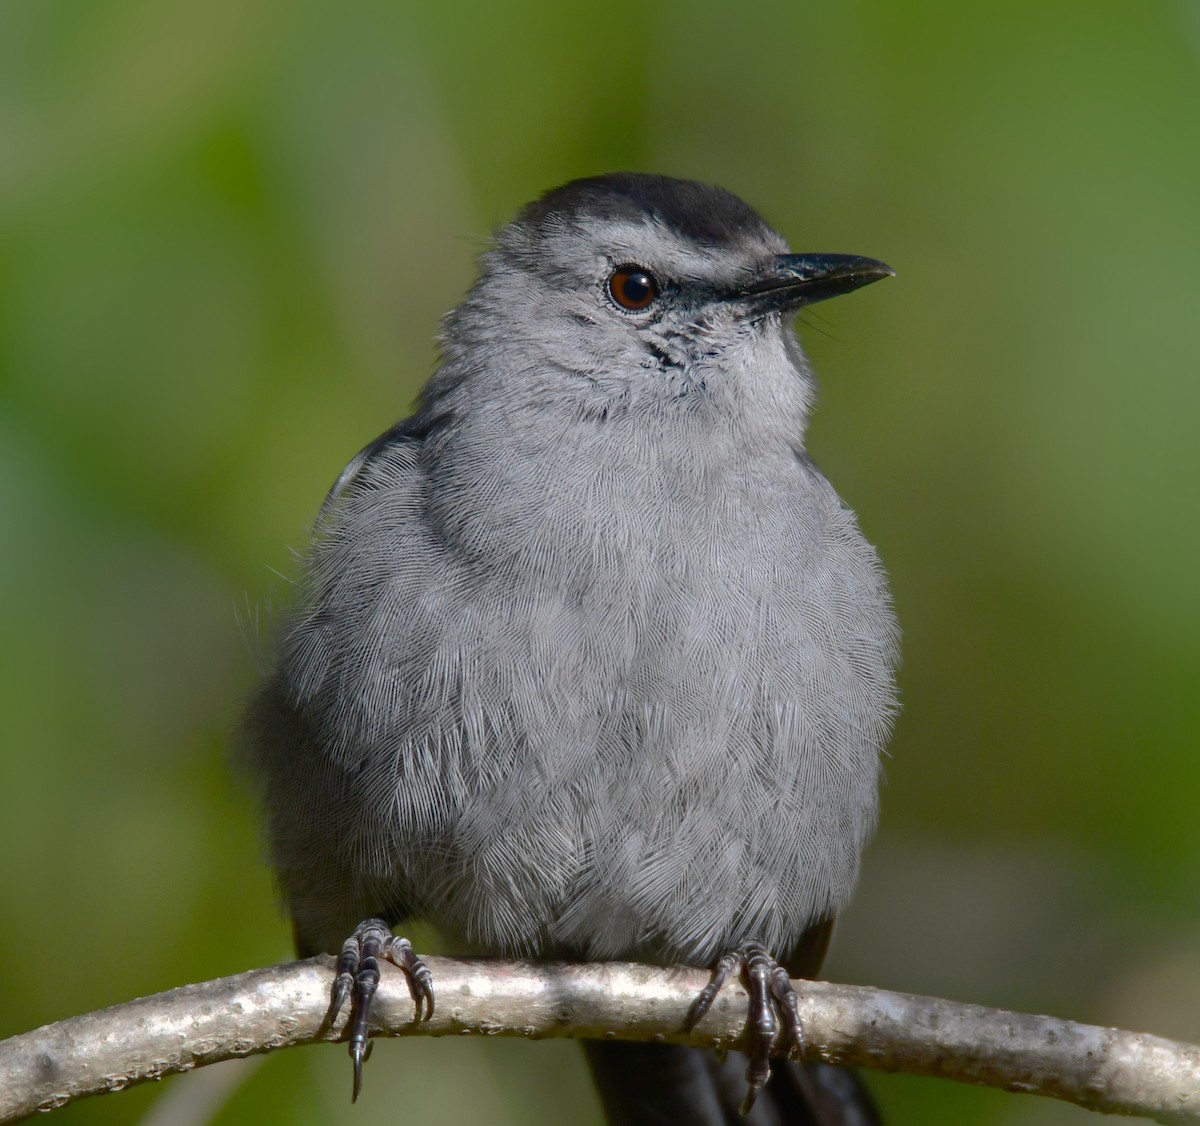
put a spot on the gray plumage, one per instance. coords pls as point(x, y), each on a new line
point(588, 659)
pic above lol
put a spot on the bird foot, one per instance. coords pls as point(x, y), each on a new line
point(358, 978)
point(769, 987)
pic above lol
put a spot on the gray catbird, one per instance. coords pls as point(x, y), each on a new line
point(589, 661)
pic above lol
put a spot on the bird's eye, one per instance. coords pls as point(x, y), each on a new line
point(633, 288)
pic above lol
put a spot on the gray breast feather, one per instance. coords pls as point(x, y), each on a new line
point(540, 732)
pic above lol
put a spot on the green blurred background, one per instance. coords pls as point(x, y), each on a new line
point(227, 230)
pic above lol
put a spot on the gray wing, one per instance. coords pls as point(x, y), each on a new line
point(301, 742)
point(404, 430)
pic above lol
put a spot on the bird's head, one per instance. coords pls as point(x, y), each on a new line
point(628, 288)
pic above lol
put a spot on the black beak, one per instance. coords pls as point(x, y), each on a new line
point(794, 280)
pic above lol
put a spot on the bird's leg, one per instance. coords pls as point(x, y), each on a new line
point(358, 978)
point(766, 981)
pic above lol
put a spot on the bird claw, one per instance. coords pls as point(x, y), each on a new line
point(358, 978)
point(769, 986)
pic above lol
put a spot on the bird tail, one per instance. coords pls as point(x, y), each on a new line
point(667, 1084)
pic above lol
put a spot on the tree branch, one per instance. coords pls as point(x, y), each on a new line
point(1098, 1068)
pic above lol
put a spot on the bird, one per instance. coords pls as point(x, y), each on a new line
point(587, 659)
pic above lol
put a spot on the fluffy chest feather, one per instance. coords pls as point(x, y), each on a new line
point(656, 690)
